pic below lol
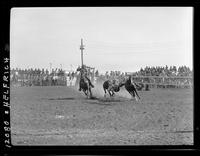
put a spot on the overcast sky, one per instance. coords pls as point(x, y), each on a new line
point(115, 38)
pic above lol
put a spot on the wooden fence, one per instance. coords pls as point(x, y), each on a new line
point(165, 82)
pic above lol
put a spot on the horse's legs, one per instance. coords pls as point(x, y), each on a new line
point(109, 93)
point(90, 91)
point(105, 92)
point(85, 92)
point(135, 96)
point(132, 94)
point(136, 93)
point(113, 93)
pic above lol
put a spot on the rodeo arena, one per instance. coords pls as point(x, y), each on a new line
point(152, 106)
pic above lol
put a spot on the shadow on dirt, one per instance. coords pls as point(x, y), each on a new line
point(103, 101)
point(94, 100)
point(69, 98)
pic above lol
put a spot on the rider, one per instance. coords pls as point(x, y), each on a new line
point(83, 72)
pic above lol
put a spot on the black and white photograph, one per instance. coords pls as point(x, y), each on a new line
point(101, 76)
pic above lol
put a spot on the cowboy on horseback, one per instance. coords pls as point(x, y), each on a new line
point(83, 72)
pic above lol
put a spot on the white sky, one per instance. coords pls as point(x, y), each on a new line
point(115, 38)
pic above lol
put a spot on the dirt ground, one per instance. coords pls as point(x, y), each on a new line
point(60, 115)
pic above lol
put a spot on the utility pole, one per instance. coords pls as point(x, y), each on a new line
point(82, 48)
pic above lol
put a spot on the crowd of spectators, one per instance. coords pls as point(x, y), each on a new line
point(165, 71)
point(159, 75)
point(37, 77)
point(45, 77)
point(156, 75)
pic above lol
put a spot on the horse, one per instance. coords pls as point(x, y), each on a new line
point(85, 84)
point(131, 88)
point(111, 87)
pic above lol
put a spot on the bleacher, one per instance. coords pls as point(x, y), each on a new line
point(160, 77)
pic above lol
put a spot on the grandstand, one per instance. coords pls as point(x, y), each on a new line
point(173, 77)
